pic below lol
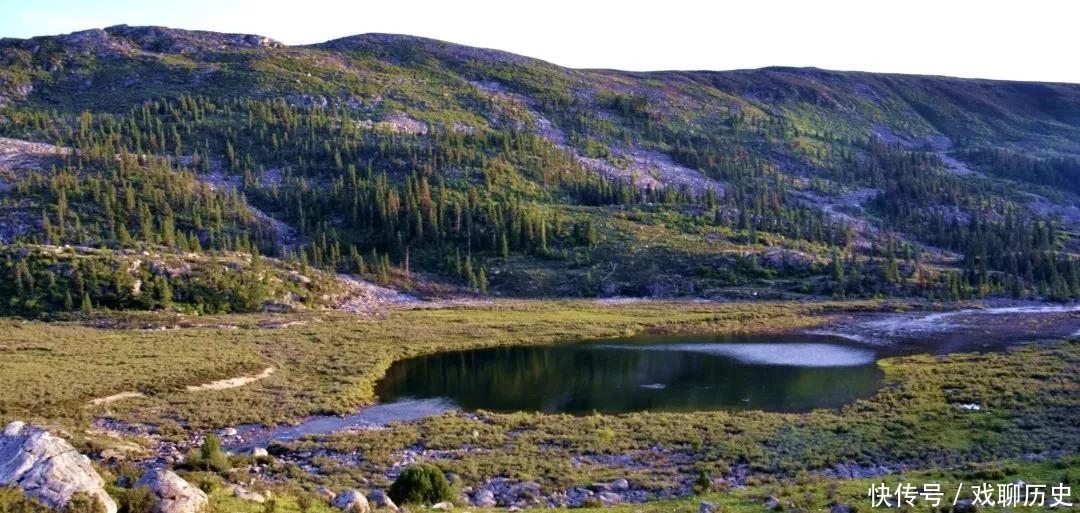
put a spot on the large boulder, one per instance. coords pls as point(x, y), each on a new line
point(244, 494)
point(484, 499)
point(352, 501)
point(172, 493)
point(609, 498)
point(379, 499)
point(47, 468)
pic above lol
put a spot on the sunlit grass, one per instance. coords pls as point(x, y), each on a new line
point(326, 362)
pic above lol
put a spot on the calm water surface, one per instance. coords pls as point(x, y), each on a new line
point(789, 373)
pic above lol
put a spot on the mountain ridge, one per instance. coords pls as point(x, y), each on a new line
point(255, 40)
point(526, 178)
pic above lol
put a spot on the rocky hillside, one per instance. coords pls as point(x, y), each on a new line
point(387, 156)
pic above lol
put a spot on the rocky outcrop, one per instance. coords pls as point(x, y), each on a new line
point(248, 495)
point(172, 493)
point(379, 499)
point(352, 501)
point(484, 499)
point(47, 468)
point(169, 40)
point(609, 498)
point(326, 494)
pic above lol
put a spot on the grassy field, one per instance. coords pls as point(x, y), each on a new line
point(325, 362)
point(801, 494)
point(913, 428)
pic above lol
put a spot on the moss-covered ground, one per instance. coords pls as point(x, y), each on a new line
point(912, 430)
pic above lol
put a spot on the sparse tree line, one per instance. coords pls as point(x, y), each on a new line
point(365, 200)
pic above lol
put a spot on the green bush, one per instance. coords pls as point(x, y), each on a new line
point(83, 502)
point(126, 474)
point(209, 456)
point(12, 500)
point(137, 500)
point(209, 484)
point(305, 501)
point(702, 483)
point(421, 484)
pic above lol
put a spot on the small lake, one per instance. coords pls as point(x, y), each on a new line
point(653, 373)
point(791, 373)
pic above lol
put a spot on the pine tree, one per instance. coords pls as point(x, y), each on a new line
point(837, 268)
point(469, 274)
point(482, 281)
point(163, 292)
point(87, 307)
point(357, 259)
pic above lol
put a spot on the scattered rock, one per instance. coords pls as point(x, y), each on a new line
point(47, 468)
point(609, 498)
point(523, 494)
point(772, 503)
point(353, 501)
point(841, 508)
point(401, 123)
point(379, 499)
point(707, 507)
point(227, 432)
point(443, 506)
point(620, 485)
point(484, 499)
point(123, 451)
point(326, 493)
point(248, 495)
point(259, 452)
point(576, 497)
point(296, 277)
point(173, 494)
point(965, 506)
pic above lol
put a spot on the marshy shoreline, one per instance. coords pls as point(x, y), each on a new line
point(540, 460)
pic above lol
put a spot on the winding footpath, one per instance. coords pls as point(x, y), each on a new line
point(221, 384)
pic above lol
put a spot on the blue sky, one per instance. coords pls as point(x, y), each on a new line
point(1029, 40)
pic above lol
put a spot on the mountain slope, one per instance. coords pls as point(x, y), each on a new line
point(394, 154)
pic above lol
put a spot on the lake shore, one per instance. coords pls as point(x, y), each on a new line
point(918, 422)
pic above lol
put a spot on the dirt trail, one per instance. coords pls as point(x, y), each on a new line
point(239, 381)
point(213, 385)
point(113, 398)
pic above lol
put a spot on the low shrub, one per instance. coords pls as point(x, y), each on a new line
point(421, 484)
point(83, 502)
point(137, 500)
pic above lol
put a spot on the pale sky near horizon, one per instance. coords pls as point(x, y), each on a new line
point(1022, 40)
